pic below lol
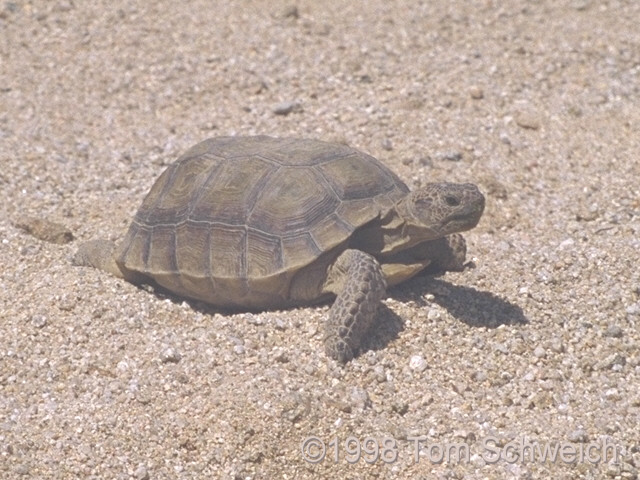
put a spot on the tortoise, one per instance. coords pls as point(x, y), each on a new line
point(262, 223)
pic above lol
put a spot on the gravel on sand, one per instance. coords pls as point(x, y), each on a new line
point(534, 349)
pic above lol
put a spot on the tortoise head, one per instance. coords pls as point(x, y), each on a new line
point(439, 209)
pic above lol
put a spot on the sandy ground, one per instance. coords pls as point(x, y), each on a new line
point(535, 347)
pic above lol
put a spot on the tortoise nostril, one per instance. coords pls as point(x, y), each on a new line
point(452, 201)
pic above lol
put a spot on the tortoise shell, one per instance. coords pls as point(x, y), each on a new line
point(235, 219)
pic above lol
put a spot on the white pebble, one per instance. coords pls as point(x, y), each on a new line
point(142, 473)
point(633, 309)
point(611, 394)
point(417, 363)
point(566, 243)
point(539, 352)
point(170, 355)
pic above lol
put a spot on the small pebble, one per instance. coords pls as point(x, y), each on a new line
point(539, 352)
point(459, 387)
point(22, 469)
point(142, 473)
point(170, 355)
point(578, 436)
point(239, 349)
point(556, 346)
point(479, 376)
point(502, 348)
point(379, 374)
point(280, 355)
point(613, 331)
point(616, 360)
point(254, 319)
point(400, 408)
point(449, 156)
point(38, 321)
point(528, 120)
point(569, 242)
point(588, 215)
point(360, 397)
point(633, 309)
point(476, 92)
point(612, 394)
point(285, 108)
point(433, 314)
point(418, 363)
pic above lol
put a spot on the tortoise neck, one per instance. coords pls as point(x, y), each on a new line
point(398, 234)
point(386, 235)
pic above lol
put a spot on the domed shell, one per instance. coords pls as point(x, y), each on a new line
point(235, 218)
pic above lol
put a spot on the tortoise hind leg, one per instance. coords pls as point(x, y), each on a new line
point(357, 280)
point(98, 254)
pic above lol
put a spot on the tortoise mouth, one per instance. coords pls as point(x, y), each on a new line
point(462, 221)
point(469, 216)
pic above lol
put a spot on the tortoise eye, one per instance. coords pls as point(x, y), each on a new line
point(452, 201)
